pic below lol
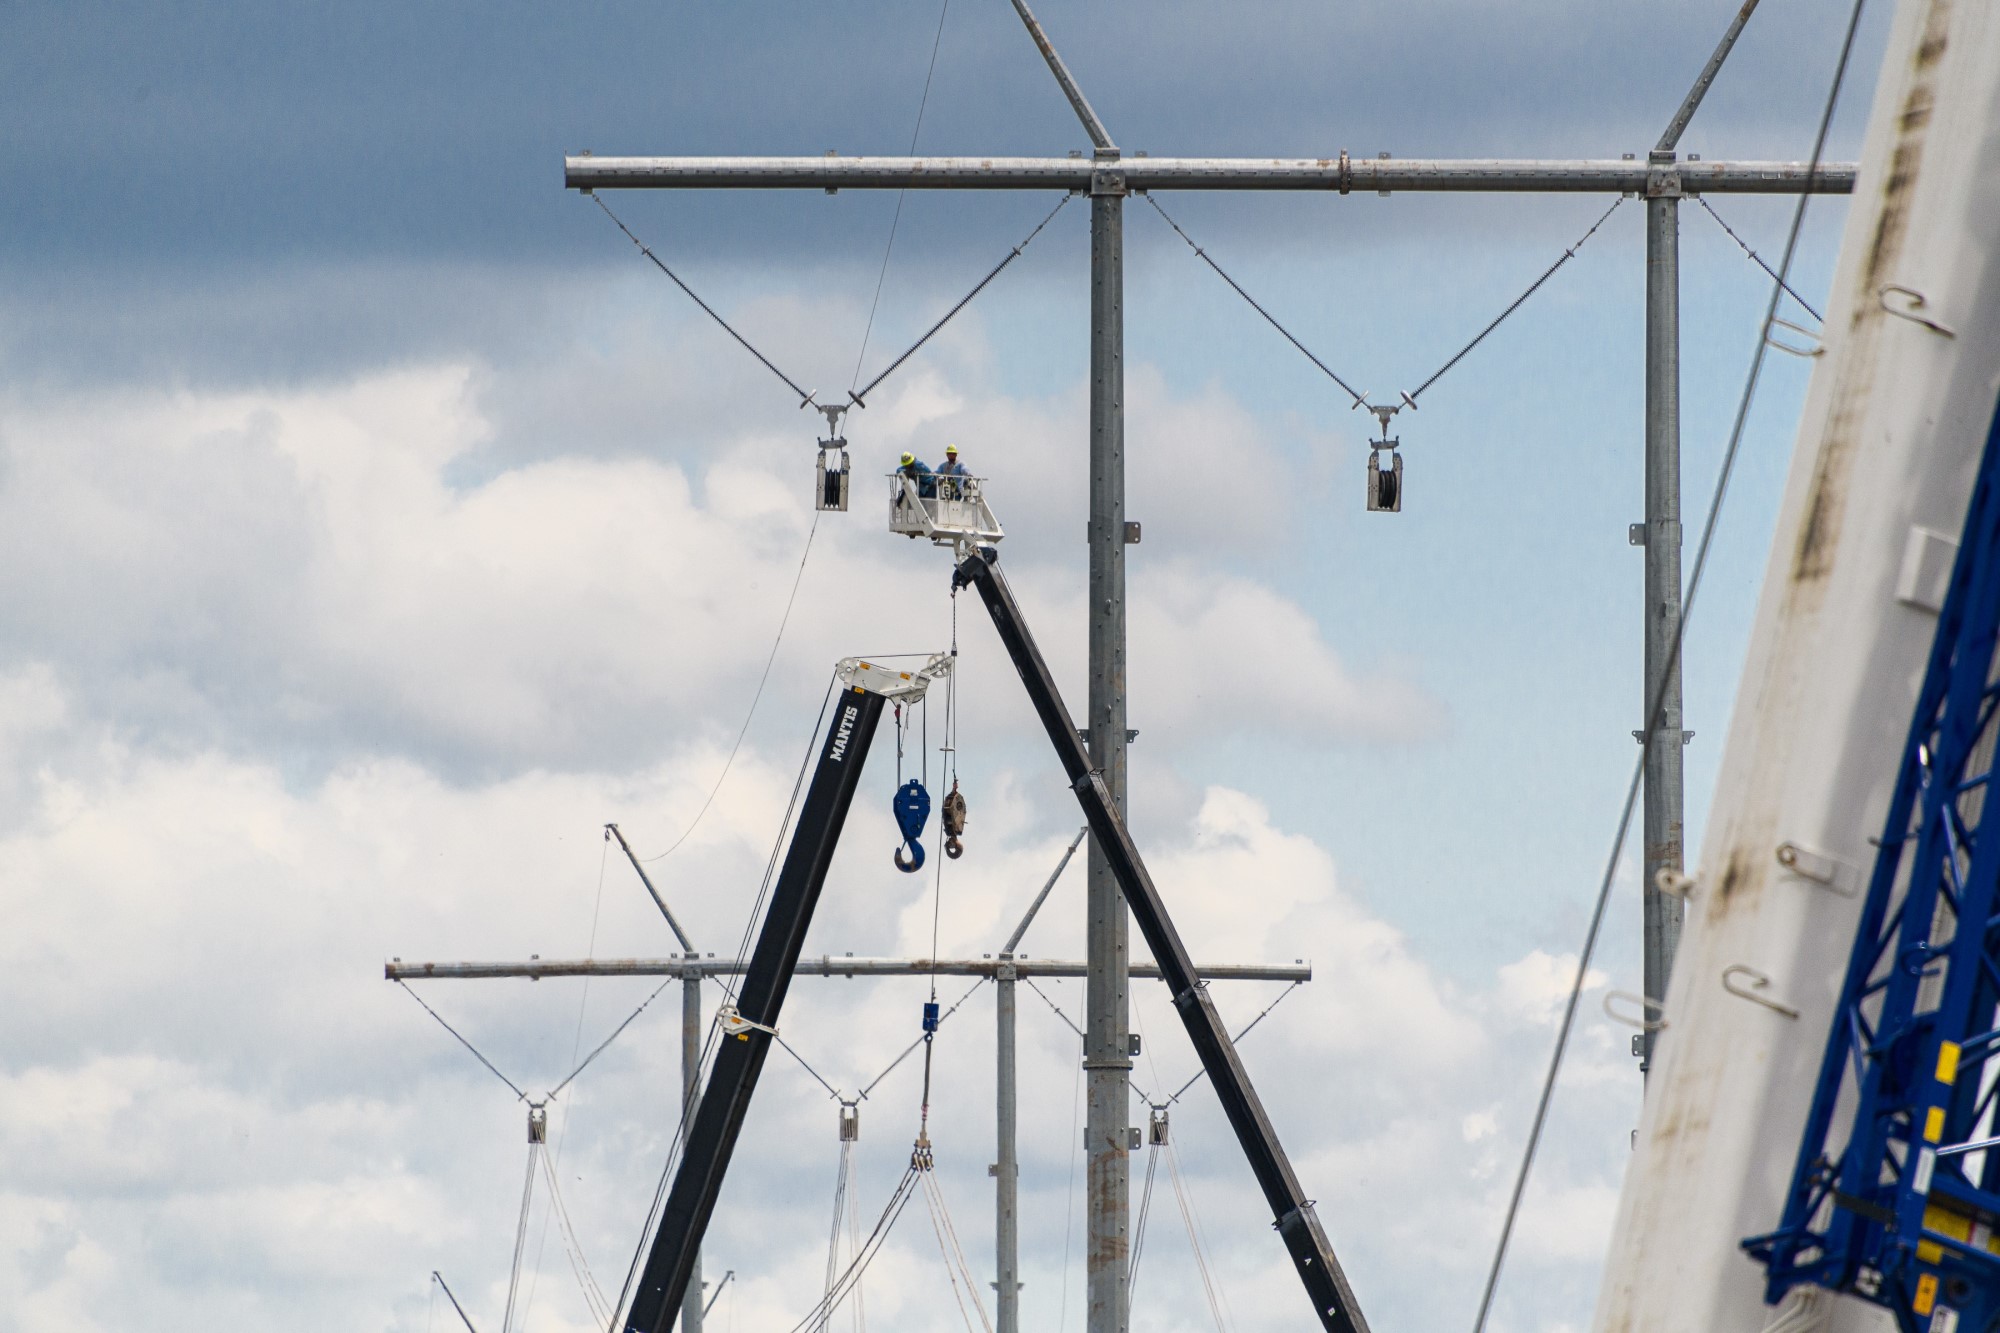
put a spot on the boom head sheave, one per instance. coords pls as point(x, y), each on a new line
point(897, 686)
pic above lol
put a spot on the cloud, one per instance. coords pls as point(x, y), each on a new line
point(235, 1108)
point(1534, 989)
point(305, 677)
point(300, 568)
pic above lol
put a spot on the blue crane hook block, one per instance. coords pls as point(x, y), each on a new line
point(912, 805)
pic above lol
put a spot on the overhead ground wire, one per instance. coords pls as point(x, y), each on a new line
point(1653, 712)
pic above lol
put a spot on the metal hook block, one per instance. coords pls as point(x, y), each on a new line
point(1758, 981)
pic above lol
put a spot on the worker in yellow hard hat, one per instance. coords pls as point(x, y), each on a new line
point(919, 471)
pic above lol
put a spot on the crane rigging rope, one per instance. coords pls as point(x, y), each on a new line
point(1656, 703)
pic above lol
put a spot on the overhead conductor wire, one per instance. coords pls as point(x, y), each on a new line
point(1653, 712)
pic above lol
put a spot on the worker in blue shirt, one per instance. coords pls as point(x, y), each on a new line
point(952, 468)
point(926, 480)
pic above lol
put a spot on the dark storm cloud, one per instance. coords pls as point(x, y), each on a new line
point(224, 134)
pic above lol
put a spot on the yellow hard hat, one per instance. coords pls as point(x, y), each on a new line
point(951, 448)
point(909, 459)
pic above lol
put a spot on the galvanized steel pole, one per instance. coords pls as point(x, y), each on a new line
point(692, 1306)
point(1107, 1059)
point(1006, 1160)
point(1663, 736)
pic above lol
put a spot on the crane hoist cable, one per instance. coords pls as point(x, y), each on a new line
point(1655, 704)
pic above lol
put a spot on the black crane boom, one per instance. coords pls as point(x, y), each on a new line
point(718, 1121)
point(739, 1058)
point(1333, 1300)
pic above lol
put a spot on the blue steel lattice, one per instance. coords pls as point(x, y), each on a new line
point(1872, 1209)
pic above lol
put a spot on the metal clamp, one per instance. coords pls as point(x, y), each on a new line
point(734, 1024)
point(1827, 871)
point(1673, 883)
point(1783, 346)
point(1916, 303)
point(1663, 177)
point(1758, 981)
point(1645, 1006)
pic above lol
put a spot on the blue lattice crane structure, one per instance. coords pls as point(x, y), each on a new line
point(1892, 1198)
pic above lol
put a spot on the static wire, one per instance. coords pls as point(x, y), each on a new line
point(1653, 711)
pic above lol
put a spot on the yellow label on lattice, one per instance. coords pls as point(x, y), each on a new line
point(1948, 1062)
point(1934, 1125)
point(1926, 1294)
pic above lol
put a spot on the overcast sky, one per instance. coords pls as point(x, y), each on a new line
point(375, 525)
